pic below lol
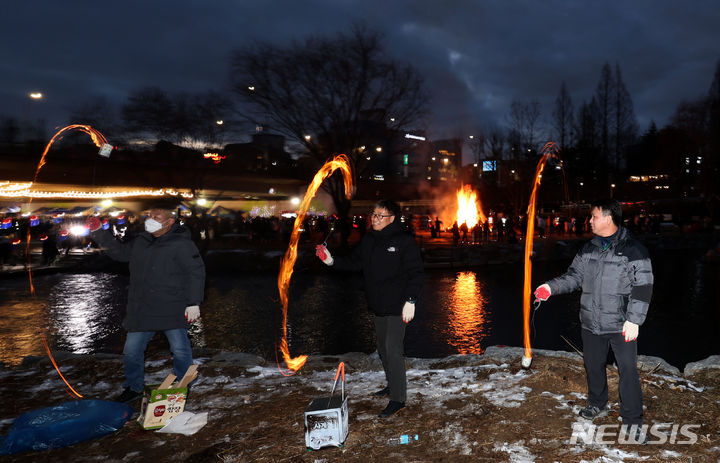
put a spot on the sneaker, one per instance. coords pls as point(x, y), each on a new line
point(392, 407)
point(128, 395)
point(591, 412)
point(384, 392)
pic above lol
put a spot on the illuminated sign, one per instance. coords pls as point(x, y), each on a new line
point(414, 137)
point(406, 159)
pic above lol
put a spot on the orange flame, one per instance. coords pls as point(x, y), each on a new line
point(99, 141)
point(549, 150)
point(286, 266)
point(469, 208)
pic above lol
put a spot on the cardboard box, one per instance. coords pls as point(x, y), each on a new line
point(165, 401)
point(326, 418)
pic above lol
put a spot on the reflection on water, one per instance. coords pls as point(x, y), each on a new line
point(458, 312)
point(467, 317)
point(78, 313)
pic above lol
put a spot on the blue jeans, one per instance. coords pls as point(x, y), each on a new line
point(134, 355)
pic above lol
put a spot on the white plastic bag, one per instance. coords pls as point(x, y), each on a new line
point(187, 423)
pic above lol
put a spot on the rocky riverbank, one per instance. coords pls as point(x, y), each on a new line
point(463, 408)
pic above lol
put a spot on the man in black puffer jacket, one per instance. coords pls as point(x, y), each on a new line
point(615, 275)
point(393, 273)
point(167, 283)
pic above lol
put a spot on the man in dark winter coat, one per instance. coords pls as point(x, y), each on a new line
point(393, 274)
point(167, 281)
point(615, 275)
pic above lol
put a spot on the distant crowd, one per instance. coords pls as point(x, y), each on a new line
point(59, 235)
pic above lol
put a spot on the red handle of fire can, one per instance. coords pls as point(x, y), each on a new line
point(341, 367)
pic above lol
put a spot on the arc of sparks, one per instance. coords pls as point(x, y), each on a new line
point(286, 266)
point(549, 150)
point(100, 141)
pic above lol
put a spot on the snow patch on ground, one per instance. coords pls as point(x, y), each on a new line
point(455, 438)
point(502, 389)
point(517, 452)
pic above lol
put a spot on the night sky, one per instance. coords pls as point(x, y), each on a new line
point(476, 56)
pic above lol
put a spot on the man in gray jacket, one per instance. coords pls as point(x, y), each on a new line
point(615, 275)
point(167, 281)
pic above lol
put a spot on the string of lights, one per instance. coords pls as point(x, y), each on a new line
point(23, 190)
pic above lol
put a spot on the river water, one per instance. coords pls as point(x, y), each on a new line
point(459, 312)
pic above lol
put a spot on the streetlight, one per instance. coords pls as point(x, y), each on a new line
point(307, 137)
point(219, 122)
point(36, 95)
point(612, 189)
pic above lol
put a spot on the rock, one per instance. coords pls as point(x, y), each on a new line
point(649, 363)
point(240, 359)
point(695, 367)
point(362, 361)
point(508, 354)
point(458, 360)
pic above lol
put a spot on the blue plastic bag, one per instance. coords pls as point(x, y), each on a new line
point(63, 425)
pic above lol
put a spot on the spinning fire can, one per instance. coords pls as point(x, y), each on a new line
point(326, 418)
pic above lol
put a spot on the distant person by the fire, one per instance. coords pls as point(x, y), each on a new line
point(167, 283)
point(615, 275)
point(393, 273)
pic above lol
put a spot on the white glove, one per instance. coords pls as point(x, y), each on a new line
point(324, 255)
point(630, 330)
point(408, 311)
point(192, 313)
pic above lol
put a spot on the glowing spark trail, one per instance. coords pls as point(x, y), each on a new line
point(100, 141)
point(549, 150)
point(286, 266)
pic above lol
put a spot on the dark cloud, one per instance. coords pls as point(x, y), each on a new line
point(476, 56)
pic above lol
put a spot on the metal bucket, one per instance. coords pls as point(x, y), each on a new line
point(326, 418)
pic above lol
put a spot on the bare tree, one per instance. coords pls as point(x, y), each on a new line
point(523, 120)
point(604, 97)
point(341, 92)
point(150, 111)
point(562, 117)
point(625, 124)
point(99, 113)
point(495, 143)
point(180, 117)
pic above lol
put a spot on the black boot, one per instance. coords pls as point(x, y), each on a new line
point(384, 392)
point(127, 396)
point(392, 407)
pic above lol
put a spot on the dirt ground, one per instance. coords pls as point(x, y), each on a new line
point(261, 418)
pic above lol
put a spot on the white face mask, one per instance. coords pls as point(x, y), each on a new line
point(152, 225)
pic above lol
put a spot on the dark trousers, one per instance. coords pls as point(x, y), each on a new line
point(390, 331)
point(595, 352)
